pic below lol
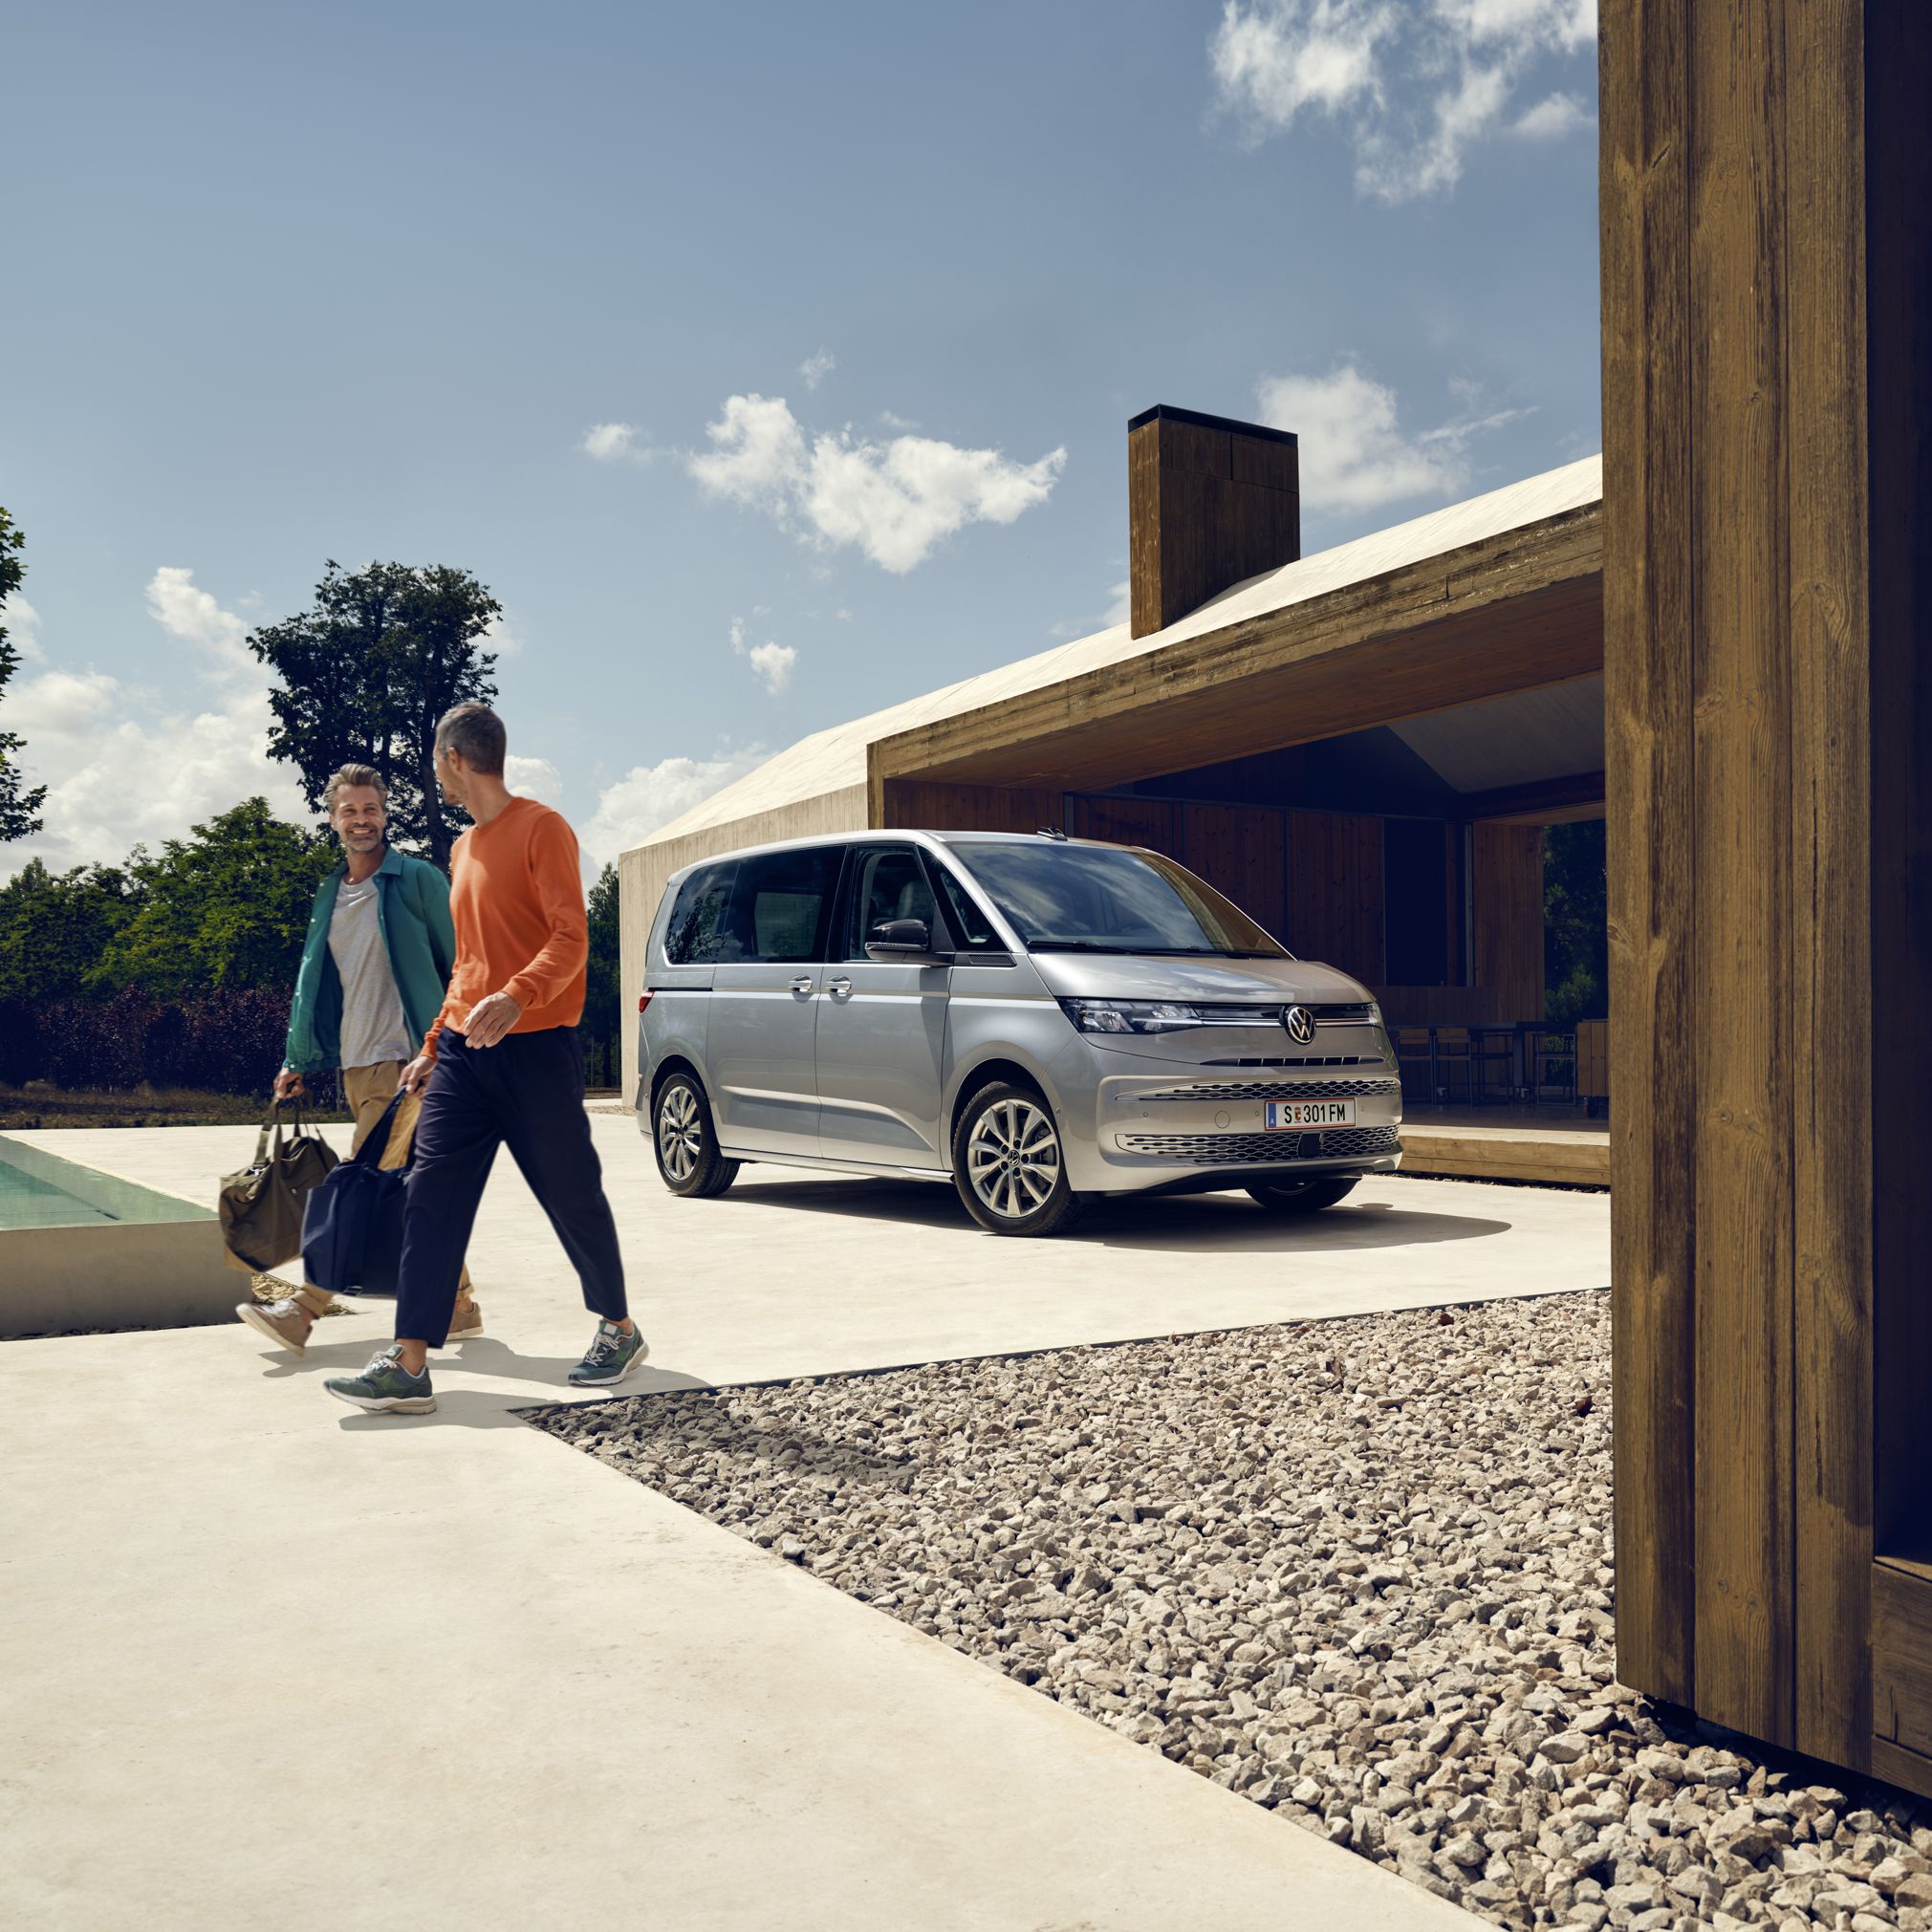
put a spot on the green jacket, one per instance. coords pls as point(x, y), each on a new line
point(412, 911)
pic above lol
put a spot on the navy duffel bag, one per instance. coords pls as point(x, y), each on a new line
point(352, 1225)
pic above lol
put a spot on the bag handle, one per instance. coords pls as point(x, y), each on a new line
point(271, 1121)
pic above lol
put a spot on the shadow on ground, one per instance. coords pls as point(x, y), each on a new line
point(1195, 1224)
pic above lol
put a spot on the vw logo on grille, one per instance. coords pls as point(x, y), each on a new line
point(1299, 1023)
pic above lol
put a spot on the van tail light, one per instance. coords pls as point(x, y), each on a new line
point(644, 999)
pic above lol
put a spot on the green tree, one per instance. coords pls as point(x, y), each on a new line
point(603, 993)
point(225, 909)
point(19, 808)
point(363, 677)
point(56, 927)
point(1576, 923)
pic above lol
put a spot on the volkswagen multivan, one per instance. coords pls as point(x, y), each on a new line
point(1037, 1019)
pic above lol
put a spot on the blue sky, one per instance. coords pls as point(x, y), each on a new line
point(770, 363)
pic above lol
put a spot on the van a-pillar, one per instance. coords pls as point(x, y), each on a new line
point(1767, 166)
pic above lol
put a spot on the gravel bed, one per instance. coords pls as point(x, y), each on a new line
point(1357, 1571)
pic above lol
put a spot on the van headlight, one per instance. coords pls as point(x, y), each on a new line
point(1131, 1016)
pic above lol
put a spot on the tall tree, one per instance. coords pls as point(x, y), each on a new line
point(364, 674)
point(19, 808)
point(222, 910)
point(603, 994)
point(55, 927)
point(1575, 923)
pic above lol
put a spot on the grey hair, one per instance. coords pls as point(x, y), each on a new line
point(477, 732)
point(354, 774)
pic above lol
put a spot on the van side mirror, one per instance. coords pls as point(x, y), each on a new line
point(900, 939)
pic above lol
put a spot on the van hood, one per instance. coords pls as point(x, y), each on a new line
point(1145, 976)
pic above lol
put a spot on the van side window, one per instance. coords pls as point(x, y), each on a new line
point(888, 883)
point(972, 930)
point(779, 905)
point(691, 934)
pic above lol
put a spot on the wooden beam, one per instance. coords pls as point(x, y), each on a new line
point(1644, 212)
point(1829, 916)
point(1740, 840)
point(1506, 614)
point(1579, 796)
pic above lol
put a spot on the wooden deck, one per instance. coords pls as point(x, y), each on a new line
point(1556, 1152)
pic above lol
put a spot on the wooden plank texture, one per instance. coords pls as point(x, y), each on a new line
point(1831, 916)
point(1901, 1655)
point(1741, 872)
point(1507, 907)
point(1643, 201)
point(936, 807)
point(1241, 850)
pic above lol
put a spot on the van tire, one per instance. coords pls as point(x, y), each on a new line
point(686, 1142)
point(1005, 1121)
point(1300, 1197)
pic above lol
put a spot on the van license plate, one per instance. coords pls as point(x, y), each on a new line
point(1310, 1113)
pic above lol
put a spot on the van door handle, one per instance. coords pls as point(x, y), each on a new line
point(838, 988)
point(802, 983)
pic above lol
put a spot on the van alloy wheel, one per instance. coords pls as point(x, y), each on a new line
point(686, 1142)
point(1014, 1158)
point(680, 1134)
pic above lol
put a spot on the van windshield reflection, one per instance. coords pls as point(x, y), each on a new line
point(1101, 899)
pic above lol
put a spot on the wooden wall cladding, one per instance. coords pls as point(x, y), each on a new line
point(1507, 940)
point(1153, 822)
point(1752, 457)
point(1335, 891)
point(1242, 850)
point(938, 807)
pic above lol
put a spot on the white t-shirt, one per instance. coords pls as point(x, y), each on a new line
point(373, 1027)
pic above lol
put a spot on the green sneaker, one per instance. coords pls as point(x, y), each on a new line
point(612, 1355)
point(385, 1387)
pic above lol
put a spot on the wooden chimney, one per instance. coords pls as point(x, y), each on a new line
point(1209, 503)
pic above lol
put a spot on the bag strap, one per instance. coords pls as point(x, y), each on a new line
point(377, 1142)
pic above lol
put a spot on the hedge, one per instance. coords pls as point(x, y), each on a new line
point(221, 1043)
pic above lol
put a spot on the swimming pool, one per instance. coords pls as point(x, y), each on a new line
point(40, 1189)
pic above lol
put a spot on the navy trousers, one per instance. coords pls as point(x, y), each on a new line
point(526, 1093)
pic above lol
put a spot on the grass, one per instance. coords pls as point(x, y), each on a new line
point(38, 1104)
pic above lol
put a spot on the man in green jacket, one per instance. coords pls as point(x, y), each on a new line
point(374, 967)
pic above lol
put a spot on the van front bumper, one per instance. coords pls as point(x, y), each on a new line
point(1175, 1128)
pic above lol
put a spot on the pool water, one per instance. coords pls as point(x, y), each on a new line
point(38, 1189)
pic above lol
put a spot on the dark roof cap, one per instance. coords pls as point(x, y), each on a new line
point(1204, 421)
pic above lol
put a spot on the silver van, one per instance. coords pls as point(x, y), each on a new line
point(1036, 1019)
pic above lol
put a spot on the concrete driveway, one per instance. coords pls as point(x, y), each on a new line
point(272, 1662)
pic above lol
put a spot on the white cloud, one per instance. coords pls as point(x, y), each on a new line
point(773, 663)
point(532, 778)
point(183, 610)
point(1415, 84)
point(894, 501)
point(651, 795)
point(1354, 453)
point(615, 442)
point(1553, 117)
point(132, 762)
point(815, 368)
point(21, 623)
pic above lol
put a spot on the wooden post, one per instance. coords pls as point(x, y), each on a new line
point(1768, 419)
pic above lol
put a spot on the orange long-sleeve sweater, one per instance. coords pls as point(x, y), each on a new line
point(517, 902)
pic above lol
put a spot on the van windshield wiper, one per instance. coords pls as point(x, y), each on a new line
point(1136, 951)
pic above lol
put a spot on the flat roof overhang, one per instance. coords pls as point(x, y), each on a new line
point(1508, 613)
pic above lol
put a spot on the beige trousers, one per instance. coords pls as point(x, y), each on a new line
point(368, 1091)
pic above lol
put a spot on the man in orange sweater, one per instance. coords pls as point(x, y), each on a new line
point(501, 1065)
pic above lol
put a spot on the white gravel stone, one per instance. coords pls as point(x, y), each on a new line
point(1358, 1571)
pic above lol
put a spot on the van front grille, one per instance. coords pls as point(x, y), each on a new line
point(1235, 1150)
point(1276, 1089)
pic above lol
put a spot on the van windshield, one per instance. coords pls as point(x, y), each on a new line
point(1105, 899)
